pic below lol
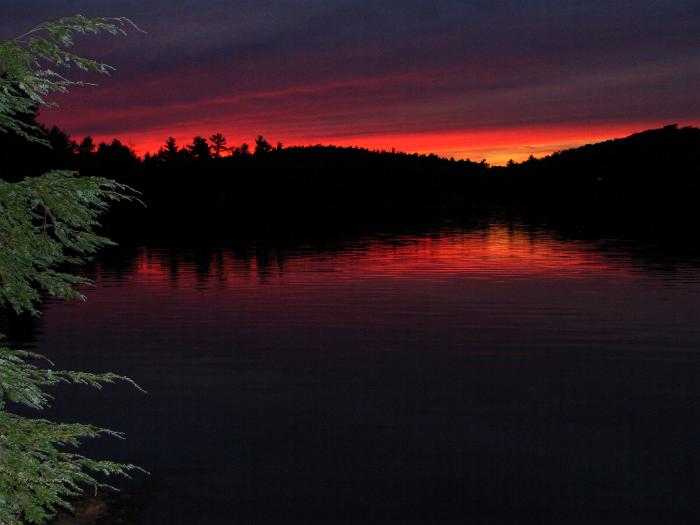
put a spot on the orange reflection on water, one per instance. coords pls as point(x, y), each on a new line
point(494, 253)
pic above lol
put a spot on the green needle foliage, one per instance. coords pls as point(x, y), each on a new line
point(46, 223)
point(27, 64)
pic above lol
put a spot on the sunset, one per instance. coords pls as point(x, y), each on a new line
point(349, 262)
point(475, 80)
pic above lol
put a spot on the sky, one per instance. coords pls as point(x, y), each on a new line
point(491, 79)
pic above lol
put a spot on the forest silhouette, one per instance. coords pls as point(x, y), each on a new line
point(211, 185)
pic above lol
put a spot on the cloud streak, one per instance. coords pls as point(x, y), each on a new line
point(337, 71)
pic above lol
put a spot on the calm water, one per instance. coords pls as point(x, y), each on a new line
point(496, 375)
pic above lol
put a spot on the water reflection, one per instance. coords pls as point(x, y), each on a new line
point(450, 376)
point(497, 252)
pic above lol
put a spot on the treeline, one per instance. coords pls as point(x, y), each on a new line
point(211, 184)
point(664, 161)
point(208, 183)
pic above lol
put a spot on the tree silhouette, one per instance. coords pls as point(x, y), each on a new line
point(115, 157)
point(218, 144)
point(241, 151)
point(200, 149)
point(86, 146)
point(171, 152)
point(61, 144)
point(262, 147)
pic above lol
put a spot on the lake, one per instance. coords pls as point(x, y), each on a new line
point(499, 373)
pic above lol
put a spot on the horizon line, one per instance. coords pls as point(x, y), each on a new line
point(443, 145)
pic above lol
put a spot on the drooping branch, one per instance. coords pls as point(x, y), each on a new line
point(28, 62)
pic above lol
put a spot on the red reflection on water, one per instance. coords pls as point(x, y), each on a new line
point(497, 253)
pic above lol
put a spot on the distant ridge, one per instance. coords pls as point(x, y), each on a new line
point(657, 168)
point(662, 159)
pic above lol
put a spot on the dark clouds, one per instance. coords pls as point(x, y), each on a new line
point(323, 71)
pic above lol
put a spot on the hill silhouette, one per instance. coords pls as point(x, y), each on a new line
point(209, 186)
point(663, 160)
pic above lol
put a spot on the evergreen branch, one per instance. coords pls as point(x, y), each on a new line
point(47, 222)
point(27, 76)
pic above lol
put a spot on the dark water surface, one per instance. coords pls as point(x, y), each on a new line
point(495, 375)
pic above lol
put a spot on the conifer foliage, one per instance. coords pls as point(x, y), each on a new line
point(46, 223)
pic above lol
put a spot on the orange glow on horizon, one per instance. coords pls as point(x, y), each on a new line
point(496, 146)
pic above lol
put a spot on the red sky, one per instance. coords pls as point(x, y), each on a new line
point(479, 80)
point(496, 146)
